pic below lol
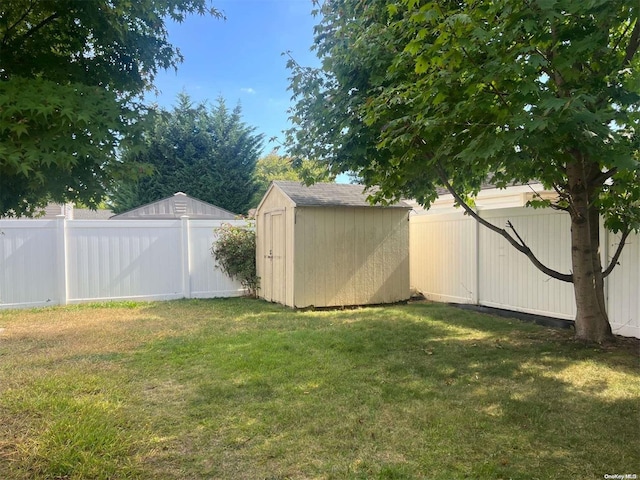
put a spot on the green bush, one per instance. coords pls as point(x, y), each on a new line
point(235, 253)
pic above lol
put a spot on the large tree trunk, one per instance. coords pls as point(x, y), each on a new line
point(592, 322)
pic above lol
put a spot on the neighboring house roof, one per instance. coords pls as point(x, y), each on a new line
point(88, 214)
point(489, 185)
point(176, 206)
point(329, 195)
point(490, 197)
point(70, 212)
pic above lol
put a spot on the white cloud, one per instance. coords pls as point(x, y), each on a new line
point(249, 90)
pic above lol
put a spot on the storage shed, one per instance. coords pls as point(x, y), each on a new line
point(327, 246)
point(176, 206)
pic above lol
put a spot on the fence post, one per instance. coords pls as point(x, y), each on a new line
point(186, 264)
point(61, 256)
point(475, 296)
point(605, 245)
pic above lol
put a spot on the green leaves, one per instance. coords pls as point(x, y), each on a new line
point(46, 148)
point(275, 167)
point(235, 253)
point(413, 93)
point(71, 76)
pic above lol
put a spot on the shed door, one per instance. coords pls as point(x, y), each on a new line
point(275, 248)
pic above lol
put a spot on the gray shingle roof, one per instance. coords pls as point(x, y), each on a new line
point(87, 214)
point(329, 195)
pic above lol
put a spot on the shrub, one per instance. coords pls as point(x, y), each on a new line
point(235, 253)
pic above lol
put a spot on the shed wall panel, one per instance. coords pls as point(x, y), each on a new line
point(351, 256)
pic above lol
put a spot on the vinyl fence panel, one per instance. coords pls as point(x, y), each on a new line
point(114, 259)
point(509, 280)
point(623, 287)
point(29, 267)
point(206, 281)
point(60, 261)
point(443, 260)
point(453, 259)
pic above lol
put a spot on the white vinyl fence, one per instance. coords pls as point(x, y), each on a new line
point(58, 262)
point(452, 259)
point(455, 259)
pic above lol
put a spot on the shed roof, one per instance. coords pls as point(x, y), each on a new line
point(175, 206)
point(329, 195)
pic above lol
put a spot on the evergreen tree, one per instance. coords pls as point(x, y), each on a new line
point(206, 152)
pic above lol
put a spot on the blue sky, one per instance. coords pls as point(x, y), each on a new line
point(240, 59)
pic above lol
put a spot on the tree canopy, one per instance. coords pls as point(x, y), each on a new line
point(413, 95)
point(71, 75)
point(207, 152)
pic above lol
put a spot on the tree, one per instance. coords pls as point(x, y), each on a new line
point(71, 75)
point(275, 167)
point(206, 152)
point(415, 94)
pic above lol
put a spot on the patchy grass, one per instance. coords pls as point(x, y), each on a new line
point(238, 388)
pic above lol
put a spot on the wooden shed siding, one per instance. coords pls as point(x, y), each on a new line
point(351, 256)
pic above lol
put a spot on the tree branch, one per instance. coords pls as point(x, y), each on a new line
point(604, 176)
point(633, 45)
point(615, 47)
point(616, 256)
point(16, 23)
point(500, 94)
point(555, 206)
point(557, 76)
point(549, 203)
point(521, 247)
point(545, 68)
point(40, 25)
point(571, 209)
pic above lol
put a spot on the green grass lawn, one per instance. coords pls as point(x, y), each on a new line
point(242, 389)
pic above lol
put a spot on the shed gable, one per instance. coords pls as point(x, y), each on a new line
point(176, 206)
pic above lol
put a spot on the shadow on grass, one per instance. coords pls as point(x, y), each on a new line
point(411, 391)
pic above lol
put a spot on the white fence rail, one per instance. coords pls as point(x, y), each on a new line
point(56, 262)
point(454, 259)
